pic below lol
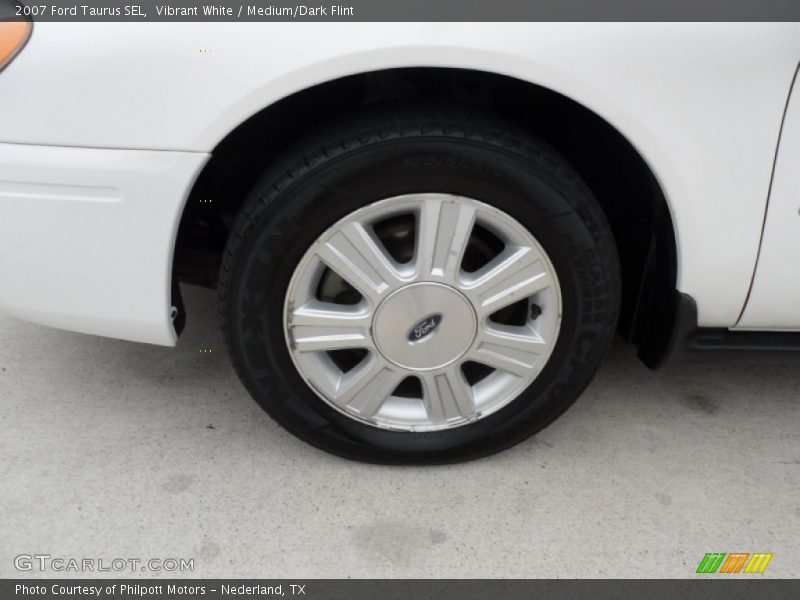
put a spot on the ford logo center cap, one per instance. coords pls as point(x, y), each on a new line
point(424, 328)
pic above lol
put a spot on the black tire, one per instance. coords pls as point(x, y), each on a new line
point(398, 150)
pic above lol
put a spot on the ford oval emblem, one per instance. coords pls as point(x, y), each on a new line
point(424, 328)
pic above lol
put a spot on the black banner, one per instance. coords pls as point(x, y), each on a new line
point(401, 10)
point(714, 588)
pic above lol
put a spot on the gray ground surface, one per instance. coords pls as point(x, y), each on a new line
point(113, 449)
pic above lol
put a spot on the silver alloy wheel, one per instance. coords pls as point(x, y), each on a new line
point(423, 336)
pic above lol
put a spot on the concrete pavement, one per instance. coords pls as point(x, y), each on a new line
point(111, 449)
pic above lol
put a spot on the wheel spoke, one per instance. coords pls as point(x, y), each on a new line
point(321, 326)
point(443, 231)
point(447, 396)
point(511, 277)
point(355, 255)
point(516, 350)
point(364, 389)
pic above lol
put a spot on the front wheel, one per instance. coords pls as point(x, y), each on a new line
point(419, 285)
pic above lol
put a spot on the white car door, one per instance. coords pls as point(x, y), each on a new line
point(774, 301)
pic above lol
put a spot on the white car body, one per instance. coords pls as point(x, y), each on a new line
point(104, 129)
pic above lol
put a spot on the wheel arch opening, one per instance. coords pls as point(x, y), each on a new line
point(620, 178)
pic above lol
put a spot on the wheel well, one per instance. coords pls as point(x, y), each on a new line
point(617, 174)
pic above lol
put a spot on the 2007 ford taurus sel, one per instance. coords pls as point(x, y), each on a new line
point(424, 237)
